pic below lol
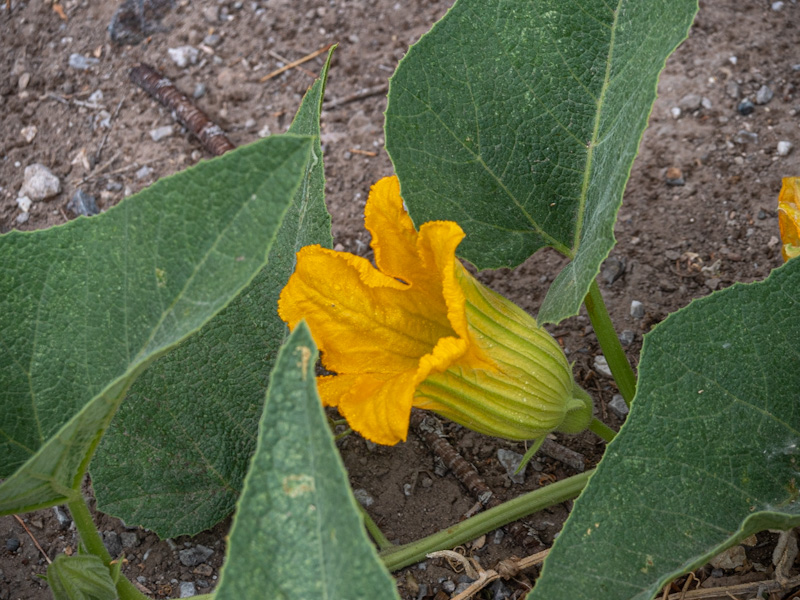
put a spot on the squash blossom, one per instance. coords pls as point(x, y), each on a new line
point(420, 331)
point(789, 217)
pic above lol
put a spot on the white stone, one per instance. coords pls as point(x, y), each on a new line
point(183, 56)
point(675, 111)
point(618, 406)
point(637, 309)
point(784, 148)
point(601, 365)
point(24, 203)
point(28, 133)
point(187, 589)
point(159, 133)
point(776, 6)
point(39, 183)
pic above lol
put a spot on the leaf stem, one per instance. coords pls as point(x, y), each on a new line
point(375, 531)
point(92, 541)
point(555, 493)
point(609, 343)
point(602, 430)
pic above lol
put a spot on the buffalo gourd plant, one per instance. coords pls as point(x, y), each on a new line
point(517, 120)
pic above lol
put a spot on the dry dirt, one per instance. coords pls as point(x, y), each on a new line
point(676, 242)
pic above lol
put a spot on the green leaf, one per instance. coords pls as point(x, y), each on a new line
point(520, 121)
point(297, 533)
point(709, 453)
point(175, 457)
point(82, 577)
point(85, 307)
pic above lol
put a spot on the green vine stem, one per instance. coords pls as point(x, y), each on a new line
point(602, 430)
point(94, 544)
point(609, 343)
point(374, 531)
point(398, 557)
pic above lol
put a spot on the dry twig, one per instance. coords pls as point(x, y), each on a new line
point(295, 63)
point(285, 60)
point(505, 568)
point(563, 454)
point(191, 117)
point(35, 543)
point(733, 591)
point(359, 95)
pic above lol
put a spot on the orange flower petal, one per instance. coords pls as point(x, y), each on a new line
point(789, 216)
point(362, 320)
point(377, 406)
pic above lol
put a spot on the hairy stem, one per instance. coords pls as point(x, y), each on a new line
point(609, 342)
point(93, 542)
point(602, 430)
point(398, 557)
point(374, 531)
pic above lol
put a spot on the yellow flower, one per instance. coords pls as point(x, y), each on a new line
point(789, 217)
point(419, 330)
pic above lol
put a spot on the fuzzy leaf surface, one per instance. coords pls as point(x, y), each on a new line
point(708, 456)
point(297, 490)
point(80, 577)
point(520, 120)
point(86, 306)
point(175, 456)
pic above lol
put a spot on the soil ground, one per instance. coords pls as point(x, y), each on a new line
point(676, 242)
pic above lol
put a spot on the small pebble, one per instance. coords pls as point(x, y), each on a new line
point(690, 102)
point(764, 95)
point(23, 81)
point(24, 203)
point(510, 461)
point(674, 176)
point(191, 557)
point(22, 218)
point(212, 39)
point(96, 97)
point(187, 589)
point(675, 112)
point(626, 337)
point(776, 6)
point(199, 91)
point(500, 591)
point(407, 489)
point(28, 133)
point(784, 148)
point(12, 544)
point(618, 406)
point(82, 204)
point(183, 56)
point(63, 518)
point(39, 183)
point(112, 543)
point(159, 133)
point(81, 62)
point(712, 283)
point(637, 309)
point(129, 539)
point(144, 172)
point(706, 103)
point(601, 366)
point(745, 107)
point(498, 536)
point(363, 497)
point(762, 214)
point(732, 89)
point(448, 586)
point(613, 269)
point(745, 137)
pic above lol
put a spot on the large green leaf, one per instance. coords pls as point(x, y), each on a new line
point(709, 453)
point(175, 457)
point(86, 306)
point(297, 533)
point(520, 119)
